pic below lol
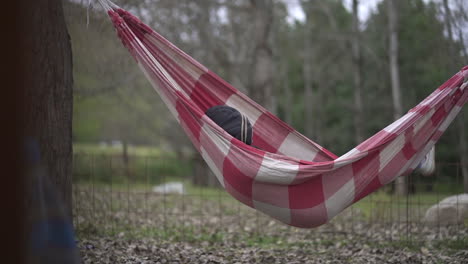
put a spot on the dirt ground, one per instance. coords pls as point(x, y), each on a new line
point(117, 250)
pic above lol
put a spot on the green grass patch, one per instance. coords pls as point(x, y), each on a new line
point(209, 193)
point(451, 246)
point(383, 204)
point(94, 149)
point(109, 169)
point(196, 235)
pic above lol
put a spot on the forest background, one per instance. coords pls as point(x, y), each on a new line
point(336, 76)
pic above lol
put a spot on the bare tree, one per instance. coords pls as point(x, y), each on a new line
point(357, 74)
point(401, 185)
point(393, 57)
point(261, 88)
point(287, 93)
point(308, 74)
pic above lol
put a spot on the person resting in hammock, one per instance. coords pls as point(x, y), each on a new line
point(238, 126)
point(232, 121)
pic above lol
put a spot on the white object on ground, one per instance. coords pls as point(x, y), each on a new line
point(452, 210)
point(170, 187)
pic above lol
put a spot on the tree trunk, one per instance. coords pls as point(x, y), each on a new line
point(261, 88)
point(48, 92)
point(448, 24)
point(11, 226)
point(401, 186)
point(126, 160)
point(357, 69)
point(307, 74)
point(462, 134)
point(288, 97)
point(463, 44)
point(463, 151)
point(202, 175)
point(393, 56)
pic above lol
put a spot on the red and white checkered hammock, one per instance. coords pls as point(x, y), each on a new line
point(291, 178)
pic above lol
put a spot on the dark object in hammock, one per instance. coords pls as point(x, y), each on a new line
point(231, 120)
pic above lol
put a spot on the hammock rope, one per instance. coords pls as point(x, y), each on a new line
point(290, 178)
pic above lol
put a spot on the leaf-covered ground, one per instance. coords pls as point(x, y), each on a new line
point(119, 250)
point(141, 227)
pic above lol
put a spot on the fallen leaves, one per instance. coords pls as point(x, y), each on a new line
point(120, 250)
point(123, 228)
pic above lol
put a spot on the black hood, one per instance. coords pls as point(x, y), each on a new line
point(231, 120)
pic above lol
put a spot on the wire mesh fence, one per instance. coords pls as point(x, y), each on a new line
point(153, 196)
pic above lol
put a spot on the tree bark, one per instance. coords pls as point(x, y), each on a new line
point(288, 97)
point(261, 88)
point(393, 56)
point(401, 185)
point(202, 175)
point(463, 151)
point(357, 70)
point(448, 24)
point(48, 92)
point(463, 44)
point(126, 160)
point(11, 226)
point(307, 73)
point(462, 134)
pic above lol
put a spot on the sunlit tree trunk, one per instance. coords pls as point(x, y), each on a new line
point(401, 186)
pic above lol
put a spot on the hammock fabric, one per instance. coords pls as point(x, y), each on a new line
point(290, 177)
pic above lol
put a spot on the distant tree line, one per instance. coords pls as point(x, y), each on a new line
point(335, 77)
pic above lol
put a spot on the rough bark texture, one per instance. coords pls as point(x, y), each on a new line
point(261, 88)
point(395, 77)
point(48, 90)
point(357, 69)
